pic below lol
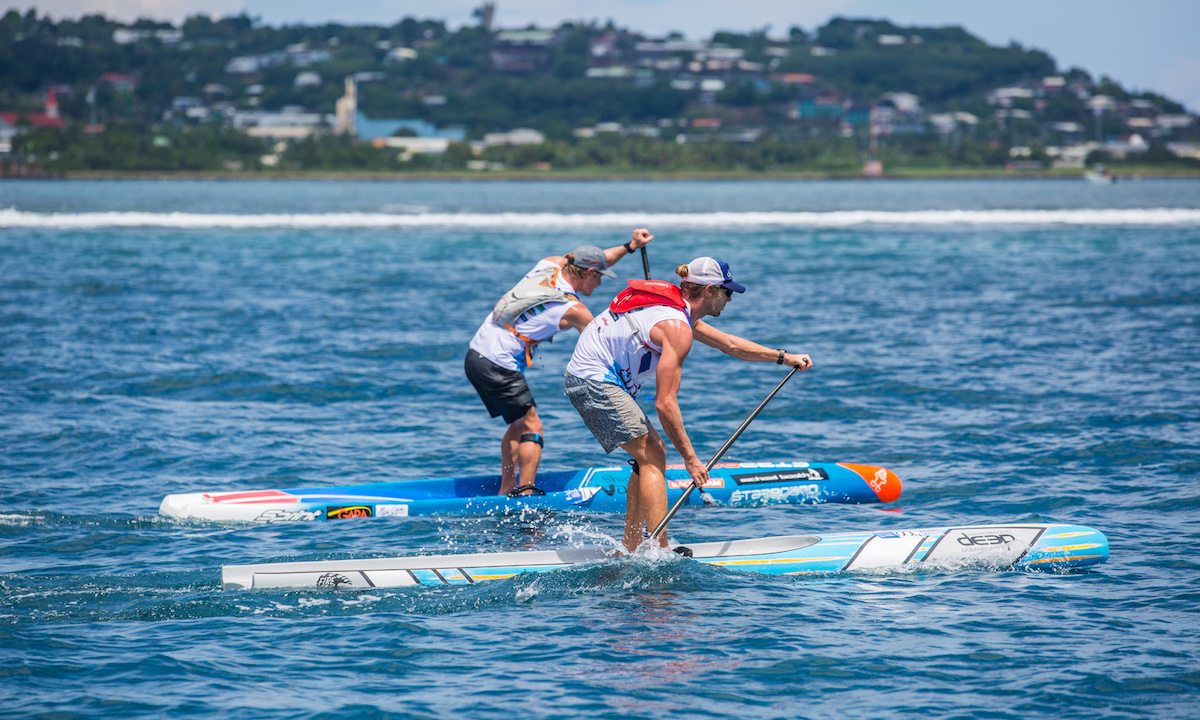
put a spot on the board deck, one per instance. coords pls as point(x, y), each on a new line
point(986, 547)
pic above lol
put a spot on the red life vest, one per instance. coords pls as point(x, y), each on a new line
point(645, 293)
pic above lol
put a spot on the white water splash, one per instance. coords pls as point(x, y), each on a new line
point(557, 222)
point(581, 536)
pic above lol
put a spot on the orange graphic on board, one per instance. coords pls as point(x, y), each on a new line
point(884, 482)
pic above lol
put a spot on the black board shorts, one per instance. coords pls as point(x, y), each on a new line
point(503, 391)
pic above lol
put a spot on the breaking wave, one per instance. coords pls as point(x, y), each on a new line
point(556, 222)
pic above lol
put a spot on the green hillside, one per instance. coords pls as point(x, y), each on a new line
point(218, 95)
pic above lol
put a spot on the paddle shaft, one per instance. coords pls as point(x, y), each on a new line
point(645, 263)
point(737, 433)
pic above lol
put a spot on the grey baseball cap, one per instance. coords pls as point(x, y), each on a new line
point(590, 257)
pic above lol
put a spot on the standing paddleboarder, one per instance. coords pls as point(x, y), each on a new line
point(535, 310)
point(645, 333)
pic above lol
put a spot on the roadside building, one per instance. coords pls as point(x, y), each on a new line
point(410, 146)
point(290, 124)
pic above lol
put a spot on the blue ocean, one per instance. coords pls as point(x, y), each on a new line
point(1016, 351)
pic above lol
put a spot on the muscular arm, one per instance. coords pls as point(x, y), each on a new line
point(675, 338)
point(744, 349)
point(577, 317)
point(640, 238)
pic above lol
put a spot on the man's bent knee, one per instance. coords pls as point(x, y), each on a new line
point(646, 450)
point(529, 422)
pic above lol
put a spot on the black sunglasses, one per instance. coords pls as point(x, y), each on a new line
point(728, 292)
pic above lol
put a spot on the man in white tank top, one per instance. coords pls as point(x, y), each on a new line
point(620, 351)
point(545, 302)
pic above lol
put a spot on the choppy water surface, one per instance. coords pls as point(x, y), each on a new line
point(1015, 351)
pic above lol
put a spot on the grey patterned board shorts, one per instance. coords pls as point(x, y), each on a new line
point(608, 411)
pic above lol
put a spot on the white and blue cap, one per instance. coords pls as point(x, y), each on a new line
point(590, 257)
point(708, 271)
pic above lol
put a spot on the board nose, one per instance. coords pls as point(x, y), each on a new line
point(884, 482)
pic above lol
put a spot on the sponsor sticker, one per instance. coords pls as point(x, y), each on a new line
point(274, 516)
point(803, 493)
point(735, 465)
point(391, 511)
point(579, 496)
point(682, 483)
point(997, 544)
point(333, 580)
point(781, 476)
point(985, 539)
point(718, 466)
point(348, 511)
point(908, 533)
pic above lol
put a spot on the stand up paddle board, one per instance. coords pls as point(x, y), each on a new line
point(592, 489)
point(988, 547)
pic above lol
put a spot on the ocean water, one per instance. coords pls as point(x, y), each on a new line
point(1016, 351)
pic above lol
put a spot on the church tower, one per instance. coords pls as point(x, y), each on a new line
point(347, 109)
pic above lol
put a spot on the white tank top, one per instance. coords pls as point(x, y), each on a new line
point(540, 322)
point(610, 351)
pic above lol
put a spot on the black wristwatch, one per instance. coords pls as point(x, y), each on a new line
point(779, 360)
point(628, 248)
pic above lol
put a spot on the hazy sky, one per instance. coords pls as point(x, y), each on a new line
point(1150, 45)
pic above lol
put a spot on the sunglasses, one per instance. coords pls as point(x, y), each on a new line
point(728, 292)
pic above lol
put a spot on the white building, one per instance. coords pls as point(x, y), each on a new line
point(520, 136)
point(410, 146)
point(1004, 96)
point(307, 79)
point(400, 54)
point(291, 124)
point(125, 36)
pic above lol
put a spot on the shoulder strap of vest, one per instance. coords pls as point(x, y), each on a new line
point(645, 293)
point(538, 288)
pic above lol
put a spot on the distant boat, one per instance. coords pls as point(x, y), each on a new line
point(1099, 176)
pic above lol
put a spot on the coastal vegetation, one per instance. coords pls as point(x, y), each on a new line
point(231, 95)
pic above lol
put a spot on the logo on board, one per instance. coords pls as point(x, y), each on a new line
point(348, 511)
point(805, 474)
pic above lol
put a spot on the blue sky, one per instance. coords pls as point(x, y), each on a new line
point(1149, 45)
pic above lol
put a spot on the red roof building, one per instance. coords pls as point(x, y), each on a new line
point(48, 119)
point(120, 83)
point(38, 120)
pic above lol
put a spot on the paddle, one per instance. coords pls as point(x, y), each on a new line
point(683, 498)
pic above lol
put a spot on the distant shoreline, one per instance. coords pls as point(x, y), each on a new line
point(1122, 174)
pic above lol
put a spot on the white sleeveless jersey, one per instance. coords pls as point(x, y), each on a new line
point(610, 351)
point(540, 322)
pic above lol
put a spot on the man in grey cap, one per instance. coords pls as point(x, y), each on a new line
point(545, 302)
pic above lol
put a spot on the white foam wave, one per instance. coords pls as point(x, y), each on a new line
point(556, 222)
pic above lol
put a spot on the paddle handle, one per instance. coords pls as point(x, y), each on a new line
point(645, 263)
point(737, 433)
